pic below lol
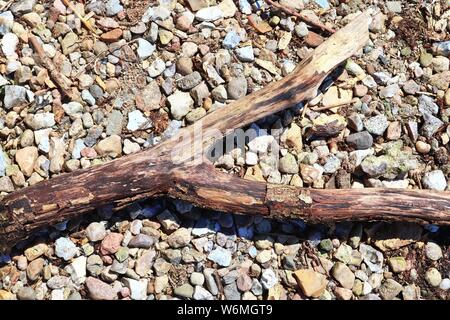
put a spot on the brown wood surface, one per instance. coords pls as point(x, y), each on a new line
point(154, 172)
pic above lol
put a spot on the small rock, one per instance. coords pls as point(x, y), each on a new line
point(96, 231)
point(390, 289)
point(180, 104)
point(343, 275)
point(184, 291)
point(312, 283)
point(433, 251)
point(376, 125)
point(111, 243)
point(141, 241)
point(237, 88)
point(397, 264)
point(99, 290)
point(220, 256)
point(433, 277)
point(360, 140)
point(65, 248)
point(434, 180)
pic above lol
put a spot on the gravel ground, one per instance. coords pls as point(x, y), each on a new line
point(157, 66)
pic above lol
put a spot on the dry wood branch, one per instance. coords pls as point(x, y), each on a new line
point(302, 17)
point(170, 168)
point(61, 81)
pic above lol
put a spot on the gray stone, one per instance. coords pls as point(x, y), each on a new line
point(231, 292)
point(14, 96)
point(372, 258)
point(431, 125)
point(427, 105)
point(360, 140)
point(190, 81)
point(145, 49)
point(141, 241)
point(376, 125)
point(237, 88)
point(22, 6)
point(114, 123)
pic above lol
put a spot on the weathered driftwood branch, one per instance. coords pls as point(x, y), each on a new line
point(304, 18)
point(170, 168)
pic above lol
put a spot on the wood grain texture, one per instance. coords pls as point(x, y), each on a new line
point(170, 168)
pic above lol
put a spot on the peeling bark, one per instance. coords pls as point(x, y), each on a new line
point(154, 172)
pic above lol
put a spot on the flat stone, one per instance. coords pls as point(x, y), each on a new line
point(141, 241)
point(312, 283)
point(390, 289)
point(99, 290)
point(184, 291)
point(111, 243)
point(14, 96)
point(220, 256)
point(360, 140)
point(376, 125)
point(137, 121)
point(65, 248)
point(138, 288)
point(209, 14)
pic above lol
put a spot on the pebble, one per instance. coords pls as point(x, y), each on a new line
point(65, 248)
point(96, 231)
point(137, 121)
point(433, 251)
point(145, 48)
point(433, 277)
point(434, 180)
point(220, 256)
point(311, 283)
point(390, 289)
point(99, 290)
point(184, 291)
point(180, 104)
point(111, 243)
point(209, 14)
point(376, 125)
point(245, 54)
point(237, 88)
point(360, 140)
point(343, 275)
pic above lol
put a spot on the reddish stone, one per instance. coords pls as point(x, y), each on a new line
point(111, 243)
point(99, 290)
point(112, 36)
point(88, 153)
point(313, 39)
